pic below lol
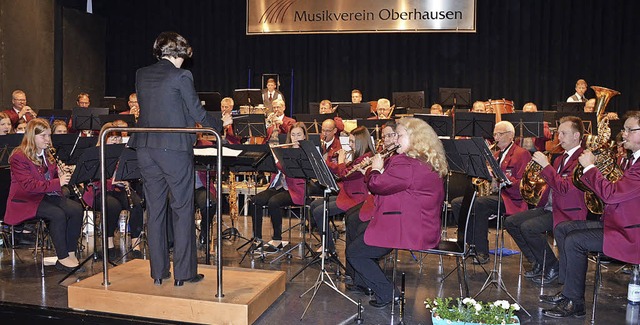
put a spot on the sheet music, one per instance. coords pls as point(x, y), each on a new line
point(226, 152)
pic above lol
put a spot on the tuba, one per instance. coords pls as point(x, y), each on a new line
point(603, 148)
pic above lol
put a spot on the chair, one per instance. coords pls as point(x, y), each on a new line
point(40, 243)
point(596, 286)
point(458, 248)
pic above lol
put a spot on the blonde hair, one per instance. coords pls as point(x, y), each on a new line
point(424, 144)
point(28, 145)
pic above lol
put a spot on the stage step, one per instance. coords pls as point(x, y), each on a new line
point(247, 294)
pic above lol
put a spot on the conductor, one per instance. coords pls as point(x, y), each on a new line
point(167, 98)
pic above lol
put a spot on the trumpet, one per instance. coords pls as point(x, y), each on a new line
point(367, 162)
point(271, 119)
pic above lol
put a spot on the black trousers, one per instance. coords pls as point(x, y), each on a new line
point(364, 260)
point(169, 174)
point(116, 202)
point(528, 231)
point(275, 200)
point(201, 202)
point(65, 222)
point(478, 229)
point(354, 228)
point(575, 240)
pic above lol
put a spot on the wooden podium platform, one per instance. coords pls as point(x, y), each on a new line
point(247, 294)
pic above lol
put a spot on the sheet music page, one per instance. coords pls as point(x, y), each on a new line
point(226, 152)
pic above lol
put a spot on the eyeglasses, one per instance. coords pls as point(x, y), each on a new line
point(496, 134)
point(327, 131)
point(627, 130)
point(19, 100)
point(389, 135)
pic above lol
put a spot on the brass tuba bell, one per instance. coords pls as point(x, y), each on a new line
point(603, 148)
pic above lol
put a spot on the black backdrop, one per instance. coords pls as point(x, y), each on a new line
point(522, 50)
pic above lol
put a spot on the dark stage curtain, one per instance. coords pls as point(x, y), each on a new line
point(522, 50)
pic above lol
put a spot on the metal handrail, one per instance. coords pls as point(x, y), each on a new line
point(103, 190)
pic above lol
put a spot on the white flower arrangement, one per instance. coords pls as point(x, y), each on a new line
point(471, 311)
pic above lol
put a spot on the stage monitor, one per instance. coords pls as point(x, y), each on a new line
point(565, 107)
point(115, 104)
point(455, 96)
point(210, 101)
point(409, 99)
point(247, 97)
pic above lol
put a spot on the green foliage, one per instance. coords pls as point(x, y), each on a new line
point(472, 311)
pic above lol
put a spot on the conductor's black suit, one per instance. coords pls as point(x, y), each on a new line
point(168, 98)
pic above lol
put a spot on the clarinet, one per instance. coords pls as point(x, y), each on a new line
point(127, 189)
point(74, 188)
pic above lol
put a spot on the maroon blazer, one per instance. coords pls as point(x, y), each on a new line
point(513, 166)
point(408, 201)
point(339, 124)
point(13, 116)
point(331, 155)
point(568, 200)
point(28, 187)
point(285, 127)
point(353, 189)
point(620, 217)
point(231, 137)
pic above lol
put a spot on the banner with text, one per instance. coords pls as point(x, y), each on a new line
point(360, 16)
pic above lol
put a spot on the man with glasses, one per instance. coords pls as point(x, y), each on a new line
point(330, 144)
point(512, 159)
point(20, 111)
point(616, 234)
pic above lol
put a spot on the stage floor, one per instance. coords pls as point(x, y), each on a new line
point(25, 292)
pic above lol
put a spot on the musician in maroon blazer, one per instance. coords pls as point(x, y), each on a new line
point(512, 159)
point(330, 144)
point(19, 110)
point(35, 192)
point(617, 234)
point(567, 203)
point(409, 193)
point(280, 121)
point(283, 191)
point(325, 107)
point(353, 188)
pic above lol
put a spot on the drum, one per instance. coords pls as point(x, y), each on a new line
point(499, 105)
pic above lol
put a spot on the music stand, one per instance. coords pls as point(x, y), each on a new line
point(471, 124)
point(314, 121)
point(114, 104)
point(87, 171)
point(130, 119)
point(69, 147)
point(455, 96)
point(7, 144)
point(409, 99)
point(442, 124)
point(250, 125)
point(588, 120)
point(570, 107)
point(352, 111)
point(374, 126)
point(306, 162)
point(247, 97)
point(88, 118)
point(210, 101)
point(526, 124)
point(54, 114)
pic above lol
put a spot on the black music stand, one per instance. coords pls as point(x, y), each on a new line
point(353, 111)
point(408, 99)
point(314, 121)
point(471, 124)
point(88, 118)
point(589, 120)
point(374, 126)
point(247, 97)
point(130, 119)
point(87, 171)
point(54, 114)
point(526, 124)
point(127, 170)
point(455, 96)
point(250, 125)
point(210, 101)
point(7, 144)
point(114, 104)
point(570, 107)
point(442, 124)
point(69, 147)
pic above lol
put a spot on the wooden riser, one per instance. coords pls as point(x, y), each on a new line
point(247, 294)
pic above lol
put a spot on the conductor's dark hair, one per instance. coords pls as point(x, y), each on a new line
point(171, 44)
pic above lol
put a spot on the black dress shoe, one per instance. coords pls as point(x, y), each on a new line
point(480, 259)
point(62, 267)
point(379, 305)
point(359, 288)
point(197, 278)
point(553, 299)
point(158, 282)
point(549, 276)
point(566, 308)
point(534, 272)
point(137, 254)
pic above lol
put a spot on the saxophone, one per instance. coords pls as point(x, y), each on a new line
point(233, 198)
point(603, 148)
